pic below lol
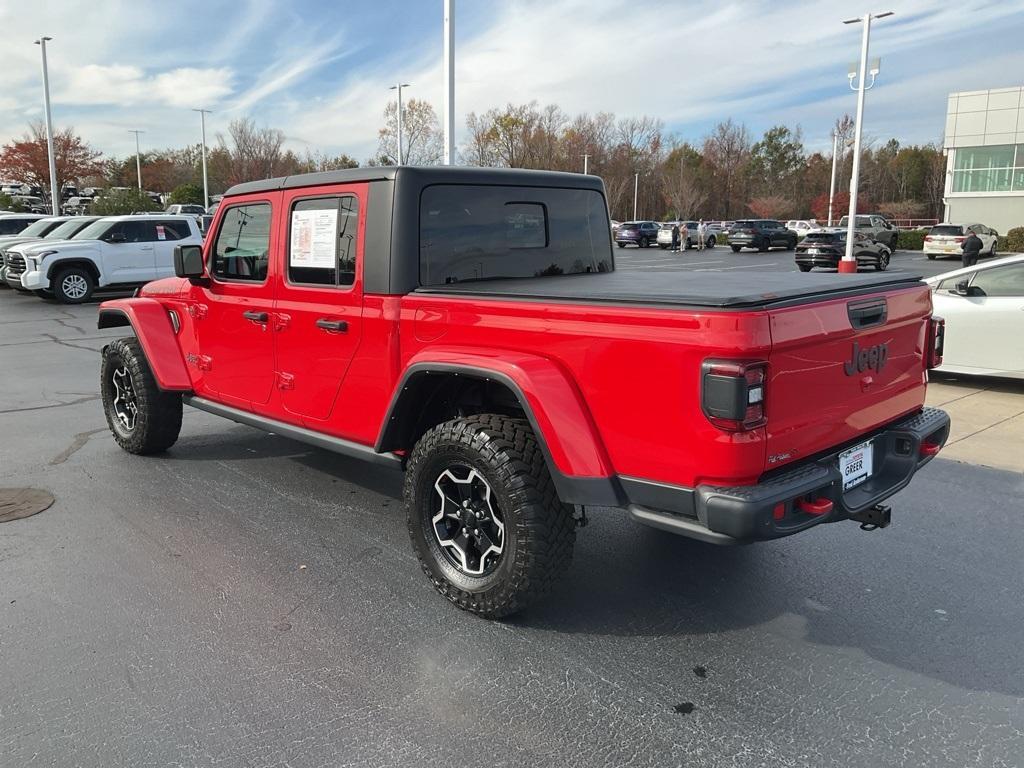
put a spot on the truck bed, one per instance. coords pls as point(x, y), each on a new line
point(716, 290)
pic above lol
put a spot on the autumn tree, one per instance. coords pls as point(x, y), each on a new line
point(422, 139)
point(27, 159)
point(771, 207)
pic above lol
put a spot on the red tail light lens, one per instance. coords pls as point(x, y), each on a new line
point(927, 238)
point(960, 238)
point(936, 341)
point(733, 394)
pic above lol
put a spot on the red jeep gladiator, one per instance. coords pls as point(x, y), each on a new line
point(468, 327)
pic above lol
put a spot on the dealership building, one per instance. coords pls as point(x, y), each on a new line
point(985, 158)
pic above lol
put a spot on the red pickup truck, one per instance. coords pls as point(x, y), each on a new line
point(469, 327)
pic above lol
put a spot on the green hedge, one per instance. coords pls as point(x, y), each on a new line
point(911, 239)
point(1014, 241)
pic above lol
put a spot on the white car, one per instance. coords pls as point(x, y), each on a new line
point(983, 307)
point(948, 239)
point(804, 227)
point(118, 251)
point(53, 228)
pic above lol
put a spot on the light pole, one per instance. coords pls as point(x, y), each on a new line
point(636, 192)
point(832, 186)
point(206, 186)
point(848, 263)
point(54, 191)
point(138, 158)
point(585, 164)
point(399, 88)
point(449, 82)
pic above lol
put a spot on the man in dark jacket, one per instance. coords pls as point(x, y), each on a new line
point(972, 248)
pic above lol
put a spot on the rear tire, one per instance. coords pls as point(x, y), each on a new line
point(883, 262)
point(496, 467)
point(644, 242)
point(663, 246)
point(143, 418)
point(804, 267)
point(764, 245)
point(735, 248)
point(621, 245)
point(73, 285)
point(931, 256)
point(711, 242)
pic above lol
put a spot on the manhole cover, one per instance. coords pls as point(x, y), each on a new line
point(16, 503)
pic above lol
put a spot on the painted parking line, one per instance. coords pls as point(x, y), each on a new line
point(744, 266)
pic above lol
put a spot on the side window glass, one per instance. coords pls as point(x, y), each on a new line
point(999, 281)
point(139, 231)
point(241, 251)
point(322, 241)
point(174, 229)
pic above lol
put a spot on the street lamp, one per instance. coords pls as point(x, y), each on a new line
point(449, 82)
point(636, 192)
point(399, 88)
point(206, 187)
point(848, 263)
point(54, 191)
point(832, 186)
point(586, 158)
point(138, 158)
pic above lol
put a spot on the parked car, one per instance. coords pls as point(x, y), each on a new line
point(15, 223)
point(983, 307)
point(117, 251)
point(665, 234)
point(186, 209)
point(803, 227)
point(640, 233)
point(948, 239)
point(827, 247)
point(762, 234)
point(688, 237)
point(77, 206)
point(875, 226)
point(56, 229)
point(452, 336)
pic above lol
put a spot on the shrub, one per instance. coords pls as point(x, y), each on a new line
point(186, 194)
point(8, 203)
point(1014, 240)
point(911, 239)
point(122, 202)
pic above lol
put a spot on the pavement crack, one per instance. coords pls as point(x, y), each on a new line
point(76, 445)
point(983, 429)
point(63, 343)
point(70, 326)
point(79, 401)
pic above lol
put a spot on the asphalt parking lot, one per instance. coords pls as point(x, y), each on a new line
point(246, 600)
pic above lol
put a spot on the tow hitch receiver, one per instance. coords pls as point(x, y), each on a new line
point(878, 516)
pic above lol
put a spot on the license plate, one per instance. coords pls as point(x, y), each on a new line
point(855, 464)
point(813, 251)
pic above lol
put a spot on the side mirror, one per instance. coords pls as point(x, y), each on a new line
point(117, 237)
point(188, 261)
point(963, 287)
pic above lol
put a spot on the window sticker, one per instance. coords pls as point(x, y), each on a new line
point(161, 233)
point(314, 239)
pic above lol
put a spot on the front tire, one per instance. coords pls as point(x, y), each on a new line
point(883, 262)
point(804, 267)
point(143, 418)
point(621, 245)
point(643, 242)
point(764, 245)
point(735, 248)
point(73, 285)
point(483, 515)
point(710, 243)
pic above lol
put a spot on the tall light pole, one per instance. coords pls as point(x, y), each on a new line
point(398, 87)
point(832, 186)
point(138, 158)
point(848, 263)
point(585, 164)
point(636, 192)
point(54, 190)
point(449, 82)
point(206, 186)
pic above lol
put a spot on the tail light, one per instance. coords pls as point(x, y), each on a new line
point(927, 238)
point(733, 394)
point(959, 238)
point(935, 342)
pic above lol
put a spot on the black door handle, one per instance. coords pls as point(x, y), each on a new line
point(256, 317)
point(327, 324)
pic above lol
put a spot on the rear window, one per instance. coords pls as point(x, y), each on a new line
point(947, 230)
point(476, 232)
point(825, 237)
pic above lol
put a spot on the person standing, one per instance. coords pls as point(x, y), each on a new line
point(971, 249)
point(702, 232)
point(675, 236)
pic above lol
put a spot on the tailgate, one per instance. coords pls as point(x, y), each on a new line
point(841, 368)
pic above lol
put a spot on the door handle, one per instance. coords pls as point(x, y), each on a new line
point(337, 326)
point(256, 317)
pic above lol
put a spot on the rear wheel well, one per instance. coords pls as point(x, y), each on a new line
point(431, 398)
point(55, 269)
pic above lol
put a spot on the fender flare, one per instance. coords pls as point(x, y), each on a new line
point(575, 453)
point(152, 326)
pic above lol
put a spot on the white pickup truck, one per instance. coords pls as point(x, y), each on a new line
point(118, 251)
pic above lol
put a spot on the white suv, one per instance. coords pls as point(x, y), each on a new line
point(118, 251)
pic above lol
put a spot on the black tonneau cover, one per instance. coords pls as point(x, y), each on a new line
point(718, 290)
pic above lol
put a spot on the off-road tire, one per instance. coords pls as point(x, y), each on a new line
point(68, 273)
point(158, 419)
point(539, 529)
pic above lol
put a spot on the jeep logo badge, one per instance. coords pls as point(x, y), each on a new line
point(870, 357)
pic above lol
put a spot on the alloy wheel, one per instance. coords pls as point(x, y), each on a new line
point(467, 523)
point(75, 286)
point(125, 405)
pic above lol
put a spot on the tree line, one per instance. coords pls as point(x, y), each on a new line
point(727, 174)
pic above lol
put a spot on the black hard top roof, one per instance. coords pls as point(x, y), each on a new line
point(423, 175)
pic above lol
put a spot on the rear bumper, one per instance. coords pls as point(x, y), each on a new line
point(769, 509)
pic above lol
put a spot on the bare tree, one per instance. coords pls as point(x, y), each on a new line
point(727, 150)
point(252, 153)
point(422, 140)
point(684, 196)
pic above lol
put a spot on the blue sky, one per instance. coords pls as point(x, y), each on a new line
point(320, 69)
